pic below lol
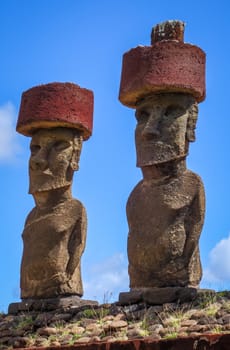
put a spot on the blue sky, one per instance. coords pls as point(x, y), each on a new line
point(83, 42)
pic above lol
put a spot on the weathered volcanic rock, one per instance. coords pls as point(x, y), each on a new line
point(56, 105)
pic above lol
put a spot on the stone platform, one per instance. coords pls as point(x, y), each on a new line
point(201, 324)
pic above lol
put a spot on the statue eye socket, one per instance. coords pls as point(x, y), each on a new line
point(61, 145)
point(141, 115)
point(34, 149)
point(174, 111)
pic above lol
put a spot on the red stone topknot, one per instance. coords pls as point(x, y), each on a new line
point(56, 105)
point(168, 65)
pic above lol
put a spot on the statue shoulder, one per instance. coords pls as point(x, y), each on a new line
point(192, 177)
point(74, 205)
point(31, 215)
point(195, 185)
point(135, 193)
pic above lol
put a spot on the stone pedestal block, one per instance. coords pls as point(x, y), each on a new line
point(61, 304)
point(160, 296)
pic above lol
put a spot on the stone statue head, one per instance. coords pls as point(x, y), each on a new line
point(55, 155)
point(165, 126)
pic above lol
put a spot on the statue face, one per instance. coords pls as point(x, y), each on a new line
point(54, 156)
point(163, 131)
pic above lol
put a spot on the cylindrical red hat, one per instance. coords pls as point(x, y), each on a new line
point(56, 105)
point(169, 65)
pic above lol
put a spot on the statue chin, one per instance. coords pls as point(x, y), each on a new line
point(158, 153)
point(41, 182)
point(163, 160)
point(48, 186)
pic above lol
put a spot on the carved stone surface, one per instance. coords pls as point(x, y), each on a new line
point(55, 230)
point(165, 211)
point(165, 125)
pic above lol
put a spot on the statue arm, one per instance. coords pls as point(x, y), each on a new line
point(76, 244)
point(194, 222)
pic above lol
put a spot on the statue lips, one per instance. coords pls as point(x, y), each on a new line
point(36, 172)
point(157, 152)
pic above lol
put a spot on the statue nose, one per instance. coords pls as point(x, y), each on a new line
point(149, 132)
point(151, 128)
point(38, 162)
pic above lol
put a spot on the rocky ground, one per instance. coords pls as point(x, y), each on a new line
point(112, 322)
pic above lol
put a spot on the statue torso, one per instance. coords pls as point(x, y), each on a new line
point(157, 213)
point(47, 237)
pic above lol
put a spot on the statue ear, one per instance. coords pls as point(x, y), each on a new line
point(190, 135)
point(191, 122)
point(77, 145)
point(74, 165)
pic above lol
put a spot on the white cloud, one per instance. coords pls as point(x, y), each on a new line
point(105, 280)
point(217, 273)
point(9, 146)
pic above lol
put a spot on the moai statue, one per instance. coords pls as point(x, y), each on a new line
point(164, 83)
point(58, 117)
